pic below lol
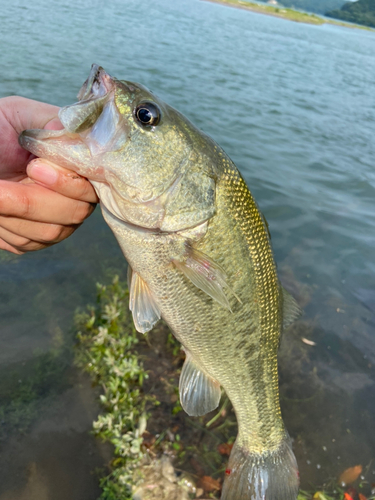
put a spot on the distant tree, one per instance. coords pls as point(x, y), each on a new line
point(318, 6)
point(360, 12)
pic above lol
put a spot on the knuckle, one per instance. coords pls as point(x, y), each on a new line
point(81, 187)
point(76, 187)
point(82, 190)
point(24, 208)
point(69, 181)
point(52, 233)
point(82, 211)
point(21, 243)
point(32, 246)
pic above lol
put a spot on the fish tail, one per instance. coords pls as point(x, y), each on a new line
point(269, 476)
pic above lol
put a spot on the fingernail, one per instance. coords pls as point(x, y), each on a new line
point(42, 172)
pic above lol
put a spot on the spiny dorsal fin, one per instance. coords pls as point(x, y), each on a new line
point(141, 303)
point(206, 275)
point(291, 310)
point(199, 393)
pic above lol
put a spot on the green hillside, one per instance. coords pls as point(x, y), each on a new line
point(318, 6)
point(360, 12)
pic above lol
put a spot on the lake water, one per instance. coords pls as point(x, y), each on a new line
point(294, 107)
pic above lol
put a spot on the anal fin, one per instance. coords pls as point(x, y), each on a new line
point(199, 393)
point(141, 303)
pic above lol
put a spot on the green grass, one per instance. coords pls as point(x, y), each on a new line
point(106, 350)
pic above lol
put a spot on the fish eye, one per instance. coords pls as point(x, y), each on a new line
point(147, 113)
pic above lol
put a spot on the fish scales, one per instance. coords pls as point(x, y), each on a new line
point(200, 257)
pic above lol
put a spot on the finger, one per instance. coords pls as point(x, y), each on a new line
point(34, 202)
point(61, 180)
point(37, 231)
point(19, 114)
point(9, 248)
point(19, 242)
point(25, 113)
point(54, 124)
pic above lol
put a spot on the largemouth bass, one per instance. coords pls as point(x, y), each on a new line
point(199, 257)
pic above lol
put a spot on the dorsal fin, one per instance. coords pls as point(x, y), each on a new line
point(291, 310)
point(199, 393)
point(207, 275)
point(141, 303)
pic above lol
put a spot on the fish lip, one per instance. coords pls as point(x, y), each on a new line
point(98, 84)
point(29, 136)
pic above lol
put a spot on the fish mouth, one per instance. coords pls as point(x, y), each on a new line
point(94, 94)
point(92, 126)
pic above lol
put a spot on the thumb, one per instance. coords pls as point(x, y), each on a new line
point(16, 115)
point(61, 180)
point(22, 113)
point(54, 124)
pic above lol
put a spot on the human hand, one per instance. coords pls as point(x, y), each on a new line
point(40, 203)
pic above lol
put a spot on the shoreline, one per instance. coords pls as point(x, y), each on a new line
point(287, 13)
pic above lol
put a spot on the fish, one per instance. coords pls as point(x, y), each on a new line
point(199, 256)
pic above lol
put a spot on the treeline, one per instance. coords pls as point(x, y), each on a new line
point(318, 6)
point(360, 12)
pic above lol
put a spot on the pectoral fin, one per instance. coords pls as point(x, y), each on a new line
point(206, 275)
point(291, 310)
point(141, 303)
point(199, 393)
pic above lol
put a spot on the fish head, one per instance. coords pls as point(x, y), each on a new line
point(143, 157)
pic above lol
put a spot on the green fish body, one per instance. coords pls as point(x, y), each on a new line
point(199, 257)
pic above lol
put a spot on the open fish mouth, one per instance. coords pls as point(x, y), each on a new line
point(94, 97)
point(92, 126)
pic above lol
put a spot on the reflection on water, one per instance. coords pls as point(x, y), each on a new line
point(294, 106)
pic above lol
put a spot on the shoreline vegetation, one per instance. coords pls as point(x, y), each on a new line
point(286, 13)
point(361, 12)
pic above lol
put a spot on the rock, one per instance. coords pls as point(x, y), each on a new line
point(158, 481)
